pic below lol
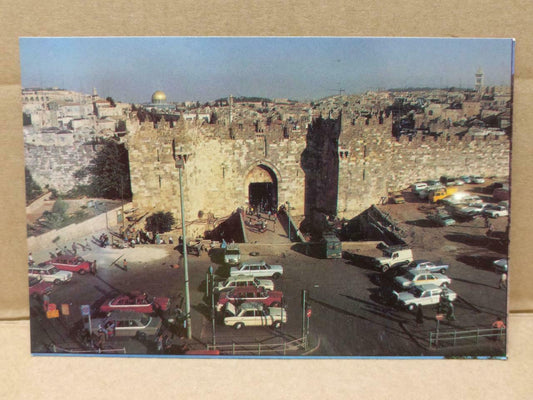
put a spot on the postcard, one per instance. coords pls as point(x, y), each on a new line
point(268, 197)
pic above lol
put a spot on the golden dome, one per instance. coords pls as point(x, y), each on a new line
point(159, 97)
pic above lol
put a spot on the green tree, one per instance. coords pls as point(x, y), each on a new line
point(160, 222)
point(109, 172)
point(33, 190)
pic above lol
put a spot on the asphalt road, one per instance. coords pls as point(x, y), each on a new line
point(348, 317)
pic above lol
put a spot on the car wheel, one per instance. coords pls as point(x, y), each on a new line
point(276, 304)
point(82, 272)
point(277, 324)
point(238, 325)
point(57, 282)
point(411, 307)
point(385, 268)
point(444, 284)
point(141, 336)
point(496, 216)
point(276, 275)
point(443, 271)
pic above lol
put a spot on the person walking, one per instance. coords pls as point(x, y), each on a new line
point(498, 324)
point(502, 284)
point(74, 248)
point(93, 267)
point(419, 316)
point(125, 265)
point(30, 259)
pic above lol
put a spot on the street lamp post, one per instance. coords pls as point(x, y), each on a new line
point(289, 217)
point(180, 165)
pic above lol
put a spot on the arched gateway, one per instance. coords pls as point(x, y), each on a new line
point(261, 187)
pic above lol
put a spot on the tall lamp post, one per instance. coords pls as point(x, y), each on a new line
point(180, 159)
point(289, 216)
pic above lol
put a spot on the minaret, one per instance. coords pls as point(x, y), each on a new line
point(479, 81)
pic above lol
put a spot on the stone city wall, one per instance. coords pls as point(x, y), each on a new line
point(55, 165)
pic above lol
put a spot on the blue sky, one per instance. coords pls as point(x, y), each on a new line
point(130, 69)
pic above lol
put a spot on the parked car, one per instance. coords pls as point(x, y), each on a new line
point(232, 255)
point(477, 179)
point(472, 210)
point(500, 265)
point(466, 179)
point(136, 302)
point(254, 314)
point(428, 266)
point(237, 296)
point(126, 323)
point(396, 198)
point(461, 198)
point(257, 269)
point(242, 280)
point(49, 273)
point(71, 263)
point(38, 287)
point(421, 277)
point(423, 295)
point(441, 218)
point(418, 187)
point(495, 212)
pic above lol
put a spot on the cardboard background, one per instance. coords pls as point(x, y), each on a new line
point(27, 377)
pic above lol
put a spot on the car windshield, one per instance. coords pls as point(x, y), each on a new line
point(415, 291)
point(232, 252)
point(53, 270)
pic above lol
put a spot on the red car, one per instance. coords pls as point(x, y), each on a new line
point(71, 263)
point(239, 295)
point(38, 287)
point(136, 301)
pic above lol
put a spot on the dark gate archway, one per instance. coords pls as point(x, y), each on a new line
point(262, 188)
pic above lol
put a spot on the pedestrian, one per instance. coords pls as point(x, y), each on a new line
point(93, 267)
point(502, 284)
point(87, 247)
point(419, 316)
point(170, 240)
point(498, 324)
point(65, 250)
point(274, 225)
point(159, 343)
point(490, 230)
point(74, 248)
point(125, 265)
point(486, 219)
point(30, 259)
point(46, 302)
point(58, 252)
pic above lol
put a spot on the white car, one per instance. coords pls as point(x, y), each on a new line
point(477, 179)
point(254, 314)
point(497, 211)
point(423, 295)
point(418, 187)
point(243, 280)
point(421, 277)
point(472, 210)
point(257, 269)
point(49, 273)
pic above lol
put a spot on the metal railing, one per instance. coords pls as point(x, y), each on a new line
point(260, 348)
point(57, 349)
point(453, 337)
